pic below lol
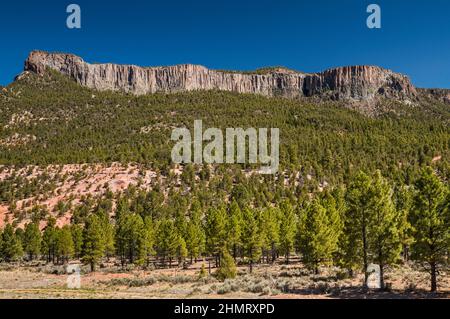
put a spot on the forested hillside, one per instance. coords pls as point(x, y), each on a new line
point(352, 189)
point(53, 120)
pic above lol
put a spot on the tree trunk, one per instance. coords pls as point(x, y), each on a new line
point(364, 235)
point(274, 256)
point(433, 276)
point(380, 261)
point(351, 273)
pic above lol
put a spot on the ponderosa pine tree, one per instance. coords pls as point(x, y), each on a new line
point(227, 269)
point(32, 241)
point(319, 231)
point(11, 248)
point(147, 245)
point(430, 218)
point(270, 227)
point(20, 234)
point(357, 221)
point(251, 237)
point(49, 238)
point(215, 232)
point(288, 228)
point(93, 243)
point(182, 251)
point(64, 244)
point(130, 238)
point(234, 229)
point(195, 237)
point(403, 203)
point(77, 238)
point(167, 241)
point(108, 232)
point(384, 234)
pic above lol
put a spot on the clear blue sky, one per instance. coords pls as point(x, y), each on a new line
point(235, 34)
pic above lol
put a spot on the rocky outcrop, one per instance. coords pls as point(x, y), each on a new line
point(355, 82)
point(442, 95)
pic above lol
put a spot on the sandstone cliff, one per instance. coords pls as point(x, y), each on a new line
point(354, 82)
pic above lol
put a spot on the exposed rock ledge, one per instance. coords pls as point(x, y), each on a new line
point(352, 82)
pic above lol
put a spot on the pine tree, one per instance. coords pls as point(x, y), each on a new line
point(32, 241)
point(270, 232)
point(167, 241)
point(234, 228)
point(357, 220)
point(147, 245)
point(227, 269)
point(11, 249)
point(181, 223)
point(130, 238)
point(49, 240)
point(77, 238)
point(384, 234)
point(108, 235)
point(93, 243)
point(182, 251)
point(430, 218)
point(20, 235)
point(319, 231)
point(403, 203)
point(288, 227)
point(215, 231)
point(195, 237)
point(251, 238)
point(64, 244)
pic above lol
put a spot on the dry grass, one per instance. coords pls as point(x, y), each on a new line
point(277, 281)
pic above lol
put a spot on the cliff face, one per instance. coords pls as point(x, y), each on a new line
point(355, 82)
point(442, 95)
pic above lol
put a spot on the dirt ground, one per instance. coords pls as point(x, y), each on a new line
point(277, 281)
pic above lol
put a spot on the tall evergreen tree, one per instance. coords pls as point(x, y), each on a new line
point(319, 231)
point(108, 232)
point(49, 240)
point(32, 240)
point(234, 228)
point(403, 203)
point(288, 227)
point(93, 243)
point(11, 248)
point(130, 238)
point(384, 234)
point(64, 244)
point(147, 244)
point(167, 241)
point(430, 218)
point(357, 221)
point(77, 238)
point(215, 231)
point(195, 237)
point(251, 237)
point(270, 232)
